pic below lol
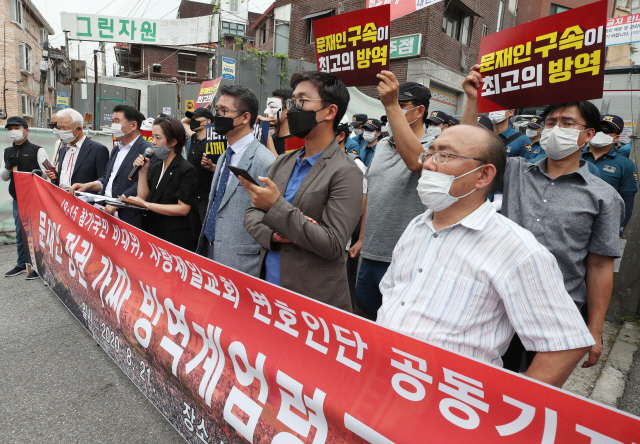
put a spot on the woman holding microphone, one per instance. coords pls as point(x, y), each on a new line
point(167, 188)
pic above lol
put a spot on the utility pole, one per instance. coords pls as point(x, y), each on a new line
point(95, 88)
point(44, 68)
point(104, 59)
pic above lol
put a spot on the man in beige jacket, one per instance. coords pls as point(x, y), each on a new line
point(312, 200)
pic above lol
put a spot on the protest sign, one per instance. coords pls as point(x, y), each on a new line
point(216, 144)
point(261, 131)
point(400, 8)
point(147, 135)
point(230, 358)
point(623, 30)
point(208, 91)
point(104, 28)
point(555, 59)
point(354, 46)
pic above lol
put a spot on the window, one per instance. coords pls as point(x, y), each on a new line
point(263, 36)
point(513, 5)
point(626, 4)
point(310, 18)
point(17, 11)
point(187, 62)
point(44, 35)
point(500, 12)
point(233, 5)
point(27, 105)
point(485, 30)
point(51, 77)
point(457, 23)
point(557, 9)
point(25, 57)
point(233, 28)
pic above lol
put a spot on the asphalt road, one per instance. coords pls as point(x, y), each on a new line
point(57, 384)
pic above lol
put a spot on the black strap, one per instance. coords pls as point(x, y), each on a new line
point(512, 138)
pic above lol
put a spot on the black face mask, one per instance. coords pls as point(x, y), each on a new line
point(223, 124)
point(194, 124)
point(301, 122)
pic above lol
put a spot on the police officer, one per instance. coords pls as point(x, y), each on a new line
point(485, 122)
point(357, 122)
point(513, 140)
point(437, 121)
point(534, 151)
point(21, 156)
point(370, 133)
point(615, 169)
point(453, 121)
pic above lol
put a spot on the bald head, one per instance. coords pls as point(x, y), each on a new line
point(473, 141)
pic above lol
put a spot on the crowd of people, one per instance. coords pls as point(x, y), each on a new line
point(469, 235)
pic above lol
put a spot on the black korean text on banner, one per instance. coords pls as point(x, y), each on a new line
point(555, 59)
point(354, 46)
point(229, 358)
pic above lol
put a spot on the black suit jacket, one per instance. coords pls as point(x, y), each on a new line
point(90, 165)
point(122, 186)
point(179, 182)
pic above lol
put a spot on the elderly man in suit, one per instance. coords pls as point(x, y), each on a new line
point(115, 181)
point(312, 200)
point(81, 160)
point(224, 238)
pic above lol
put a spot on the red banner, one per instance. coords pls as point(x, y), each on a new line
point(354, 46)
point(555, 59)
point(230, 358)
point(400, 8)
point(208, 91)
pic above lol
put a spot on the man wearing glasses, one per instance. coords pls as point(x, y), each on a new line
point(223, 237)
point(573, 213)
point(461, 276)
point(312, 201)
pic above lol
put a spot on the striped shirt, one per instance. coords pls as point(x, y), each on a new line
point(469, 286)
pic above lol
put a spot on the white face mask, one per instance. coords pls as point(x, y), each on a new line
point(560, 142)
point(368, 136)
point(65, 135)
point(116, 130)
point(433, 189)
point(274, 104)
point(601, 140)
point(272, 131)
point(434, 130)
point(385, 129)
point(497, 116)
point(357, 131)
point(532, 133)
point(405, 111)
point(16, 135)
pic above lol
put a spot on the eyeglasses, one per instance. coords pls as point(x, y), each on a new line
point(565, 124)
point(298, 102)
point(222, 112)
point(441, 157)
point(52, 125)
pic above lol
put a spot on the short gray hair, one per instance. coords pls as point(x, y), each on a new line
point(76, 117)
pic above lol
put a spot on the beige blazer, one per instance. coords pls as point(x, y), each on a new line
point(313, 264)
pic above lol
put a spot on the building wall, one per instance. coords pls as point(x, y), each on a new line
point(529, 10)
point(18, 82)
point(168, 58)
point(265, 26)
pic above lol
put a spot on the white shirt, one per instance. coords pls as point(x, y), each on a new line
point(122, 153)
point(467, 287)
point(69, 163)
point(238, 150)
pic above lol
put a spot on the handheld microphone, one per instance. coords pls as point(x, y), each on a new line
point(147, 154)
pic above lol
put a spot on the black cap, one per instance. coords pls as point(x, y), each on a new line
point(615, 122)
point(453, 121)
point(200, 112)
point(414, 91)
point(535, 122)
point(485, 122)
point(16, 121)
point(373, 125)
point(438, 117)
point(358, 119)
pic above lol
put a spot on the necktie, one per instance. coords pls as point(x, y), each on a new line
point(210, 227)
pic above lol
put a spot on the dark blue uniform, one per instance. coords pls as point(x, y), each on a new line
point(534, 152)
point(516, 147)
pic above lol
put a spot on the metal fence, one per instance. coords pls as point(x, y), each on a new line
point(108, 97)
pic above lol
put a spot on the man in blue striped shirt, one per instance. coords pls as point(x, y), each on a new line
point(465, 278)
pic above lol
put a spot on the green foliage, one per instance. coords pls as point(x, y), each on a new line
point(239, 43)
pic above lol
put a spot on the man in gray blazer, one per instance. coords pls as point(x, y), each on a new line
point(312, 200)
point(223, 237)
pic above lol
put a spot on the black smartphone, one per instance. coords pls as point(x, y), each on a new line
point(48, 166)
point(239, 172)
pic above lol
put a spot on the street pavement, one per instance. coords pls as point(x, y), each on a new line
point(58, 385)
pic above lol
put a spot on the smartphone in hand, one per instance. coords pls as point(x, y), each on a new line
point(239, 172)
point(48, 166)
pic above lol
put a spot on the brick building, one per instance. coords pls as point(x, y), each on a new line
point(449, 44)
point(25, 35)
point(529, 10)
point(263, 30)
